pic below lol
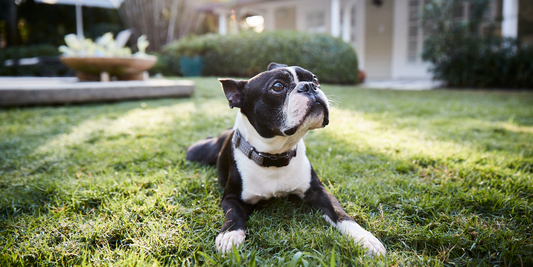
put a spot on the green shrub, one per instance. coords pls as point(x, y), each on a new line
point(470, 54)
point(248, 53)
point(167, 64)
point(192, 45)
point(488, 64)
point(49, 64)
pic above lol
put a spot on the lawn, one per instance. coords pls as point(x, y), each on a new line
point(441, 177)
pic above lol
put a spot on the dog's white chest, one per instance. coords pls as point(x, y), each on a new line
point(260, 183)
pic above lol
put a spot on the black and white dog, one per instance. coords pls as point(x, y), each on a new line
point(263, 156)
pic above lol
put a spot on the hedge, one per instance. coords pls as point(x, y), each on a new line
point(49, 64)
point(167, 65)
point(248, 53)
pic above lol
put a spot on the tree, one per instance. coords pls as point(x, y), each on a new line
point(162, 21)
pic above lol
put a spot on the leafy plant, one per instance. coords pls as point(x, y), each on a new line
point(469, 53)
point(104, 46)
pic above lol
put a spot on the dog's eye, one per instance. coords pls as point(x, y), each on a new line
point(315, 81)
point(278, 87)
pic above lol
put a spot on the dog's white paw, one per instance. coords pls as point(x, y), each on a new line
point(225, 241)
point(373, 245)
point(362, 237)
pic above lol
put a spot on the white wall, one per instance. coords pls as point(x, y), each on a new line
point(378, 39)
point(381, 33)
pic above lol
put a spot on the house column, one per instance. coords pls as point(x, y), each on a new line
point(510, 18)
point(270, 19)
point(360, 34)
point(347, 23)
point(335, 18)
point(222, 22)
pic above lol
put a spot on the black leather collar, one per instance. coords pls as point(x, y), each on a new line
point(260, 158)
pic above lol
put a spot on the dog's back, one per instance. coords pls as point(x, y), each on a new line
point(206, 151)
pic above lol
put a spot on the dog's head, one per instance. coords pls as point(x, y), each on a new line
point(280, 101)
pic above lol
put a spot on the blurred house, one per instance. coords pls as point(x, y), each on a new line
point(386, 34)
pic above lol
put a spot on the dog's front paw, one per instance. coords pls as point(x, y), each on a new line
point(226, 240)
point(362, 237)
point(373, 245)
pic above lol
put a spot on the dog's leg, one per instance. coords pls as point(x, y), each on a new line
point(319, 198)
point(232, 232)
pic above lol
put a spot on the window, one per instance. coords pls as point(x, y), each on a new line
point(353, 30)
point(316, 21)
point(415, 33)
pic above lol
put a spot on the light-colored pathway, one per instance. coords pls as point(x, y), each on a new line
point(410, 85)
point(16, 91)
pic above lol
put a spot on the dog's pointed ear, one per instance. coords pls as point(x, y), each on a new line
point(234, 91)
point(274, 65)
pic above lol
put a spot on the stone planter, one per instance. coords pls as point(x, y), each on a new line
point(102, 68)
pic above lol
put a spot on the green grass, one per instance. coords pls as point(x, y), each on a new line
point(443, 178)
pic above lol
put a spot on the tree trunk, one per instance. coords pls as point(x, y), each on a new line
point(172, 22)
point(161, 20)
point(13, 38)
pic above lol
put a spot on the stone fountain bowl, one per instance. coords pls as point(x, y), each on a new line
point(96, 68)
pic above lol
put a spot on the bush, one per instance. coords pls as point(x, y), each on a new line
point(470, 54)
point(248, 53)
point(191, 46)
point(167, 64)
point(487, 64)
point(49, 64)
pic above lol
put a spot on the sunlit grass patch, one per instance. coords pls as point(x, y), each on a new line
point(441, 177)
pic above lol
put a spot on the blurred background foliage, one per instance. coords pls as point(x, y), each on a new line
point(247, 53)
point(471, 53)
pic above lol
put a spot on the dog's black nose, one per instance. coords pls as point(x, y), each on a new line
point(306, 87)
